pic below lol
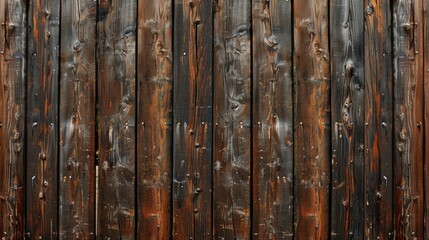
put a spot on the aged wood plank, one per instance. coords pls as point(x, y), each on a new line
point(409, 131)
point(42, 120)
point(378, 121)
point(272, 120)
point(116, 117)
point(232, 141)
point(192, 115)
point(77, 120)
point(12, 121)
point(348, 102)
point(426, 111)
point(154, 118)
point(312, 116)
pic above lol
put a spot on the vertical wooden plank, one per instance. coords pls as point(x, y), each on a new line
point(426, 110)
point(272, 120)
point(348, 106)
point(232, 141)
point(77, 120)
point(409, 130)
point(312, 119)
point(154, 118)
point(116, 117)
point(192, 120)
point(42, 120)
point(12, 121)
point(378, 121)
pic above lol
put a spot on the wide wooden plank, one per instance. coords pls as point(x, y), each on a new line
point(232, 141)
point(12, 121)
point(77, 120)
point(42, 120)
point(348, 105)
point(272, 120)
point(192, 120)
point(154, 115)
point(116, 117)
point(378, 121)
point(312, 116)
point(409, 130)
point(426, 111)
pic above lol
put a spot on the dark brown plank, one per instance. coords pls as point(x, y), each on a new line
point(154, 118)
point(12, 121)
point(409, 131)
point(272, 120)
point(232, 141)
point(378, 121)
point(42, 120)
point(312, 116)
point(426, 111)
point(192, 115)
point(348, 102)
point(77, 120)
point(116, 117)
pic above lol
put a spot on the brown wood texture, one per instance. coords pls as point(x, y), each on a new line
point(116, 97)
point(154, 113)
point(42, 119)
point(378, 120)
point(77, 120)
point(12, 120)
point(312, 119)
point(192, 120)
point(409, 130)
point(232, 138)
point(426, 111)
point(272, 120)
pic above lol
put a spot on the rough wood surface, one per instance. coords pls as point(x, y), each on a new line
point(378, 121)
point(272, 120)
point(12, 121)
point(116, 118)
point(232, 141)
point(348, 108)
point(77, 120)
point(312, 119)
point(154, 114)
point(409, 129)
point(192, 115)
point(426, 111)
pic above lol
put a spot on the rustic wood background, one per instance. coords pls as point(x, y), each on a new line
point(223, 119)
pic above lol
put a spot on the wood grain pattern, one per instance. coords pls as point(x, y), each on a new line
point(348, 108)
point(378, 120)
point(409, 130)
point(426, 111)
point(12, 120)
point(312, 119)
point(116, 117)
point(232, 108)
point(192, 115)
point(77, 120)
point(272, 120)
point(154, 112)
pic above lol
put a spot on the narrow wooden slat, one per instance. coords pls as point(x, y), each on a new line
point(272, 120)
point(348, 106)
point(77, 120)
point(232, 141)
point(192, 115)
point(312, 115)
point(409, 131)
point(378, 121)
point(426, 111)
point(42, 120)
point(154, 118)
point(12, 121)
point(116, 117)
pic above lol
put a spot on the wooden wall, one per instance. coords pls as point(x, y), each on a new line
point(214, 119)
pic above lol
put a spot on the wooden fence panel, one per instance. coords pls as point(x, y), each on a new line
point(77, 120)
point(12, 117)
point(154, 112)
point(272, 120)
point(116, 117)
